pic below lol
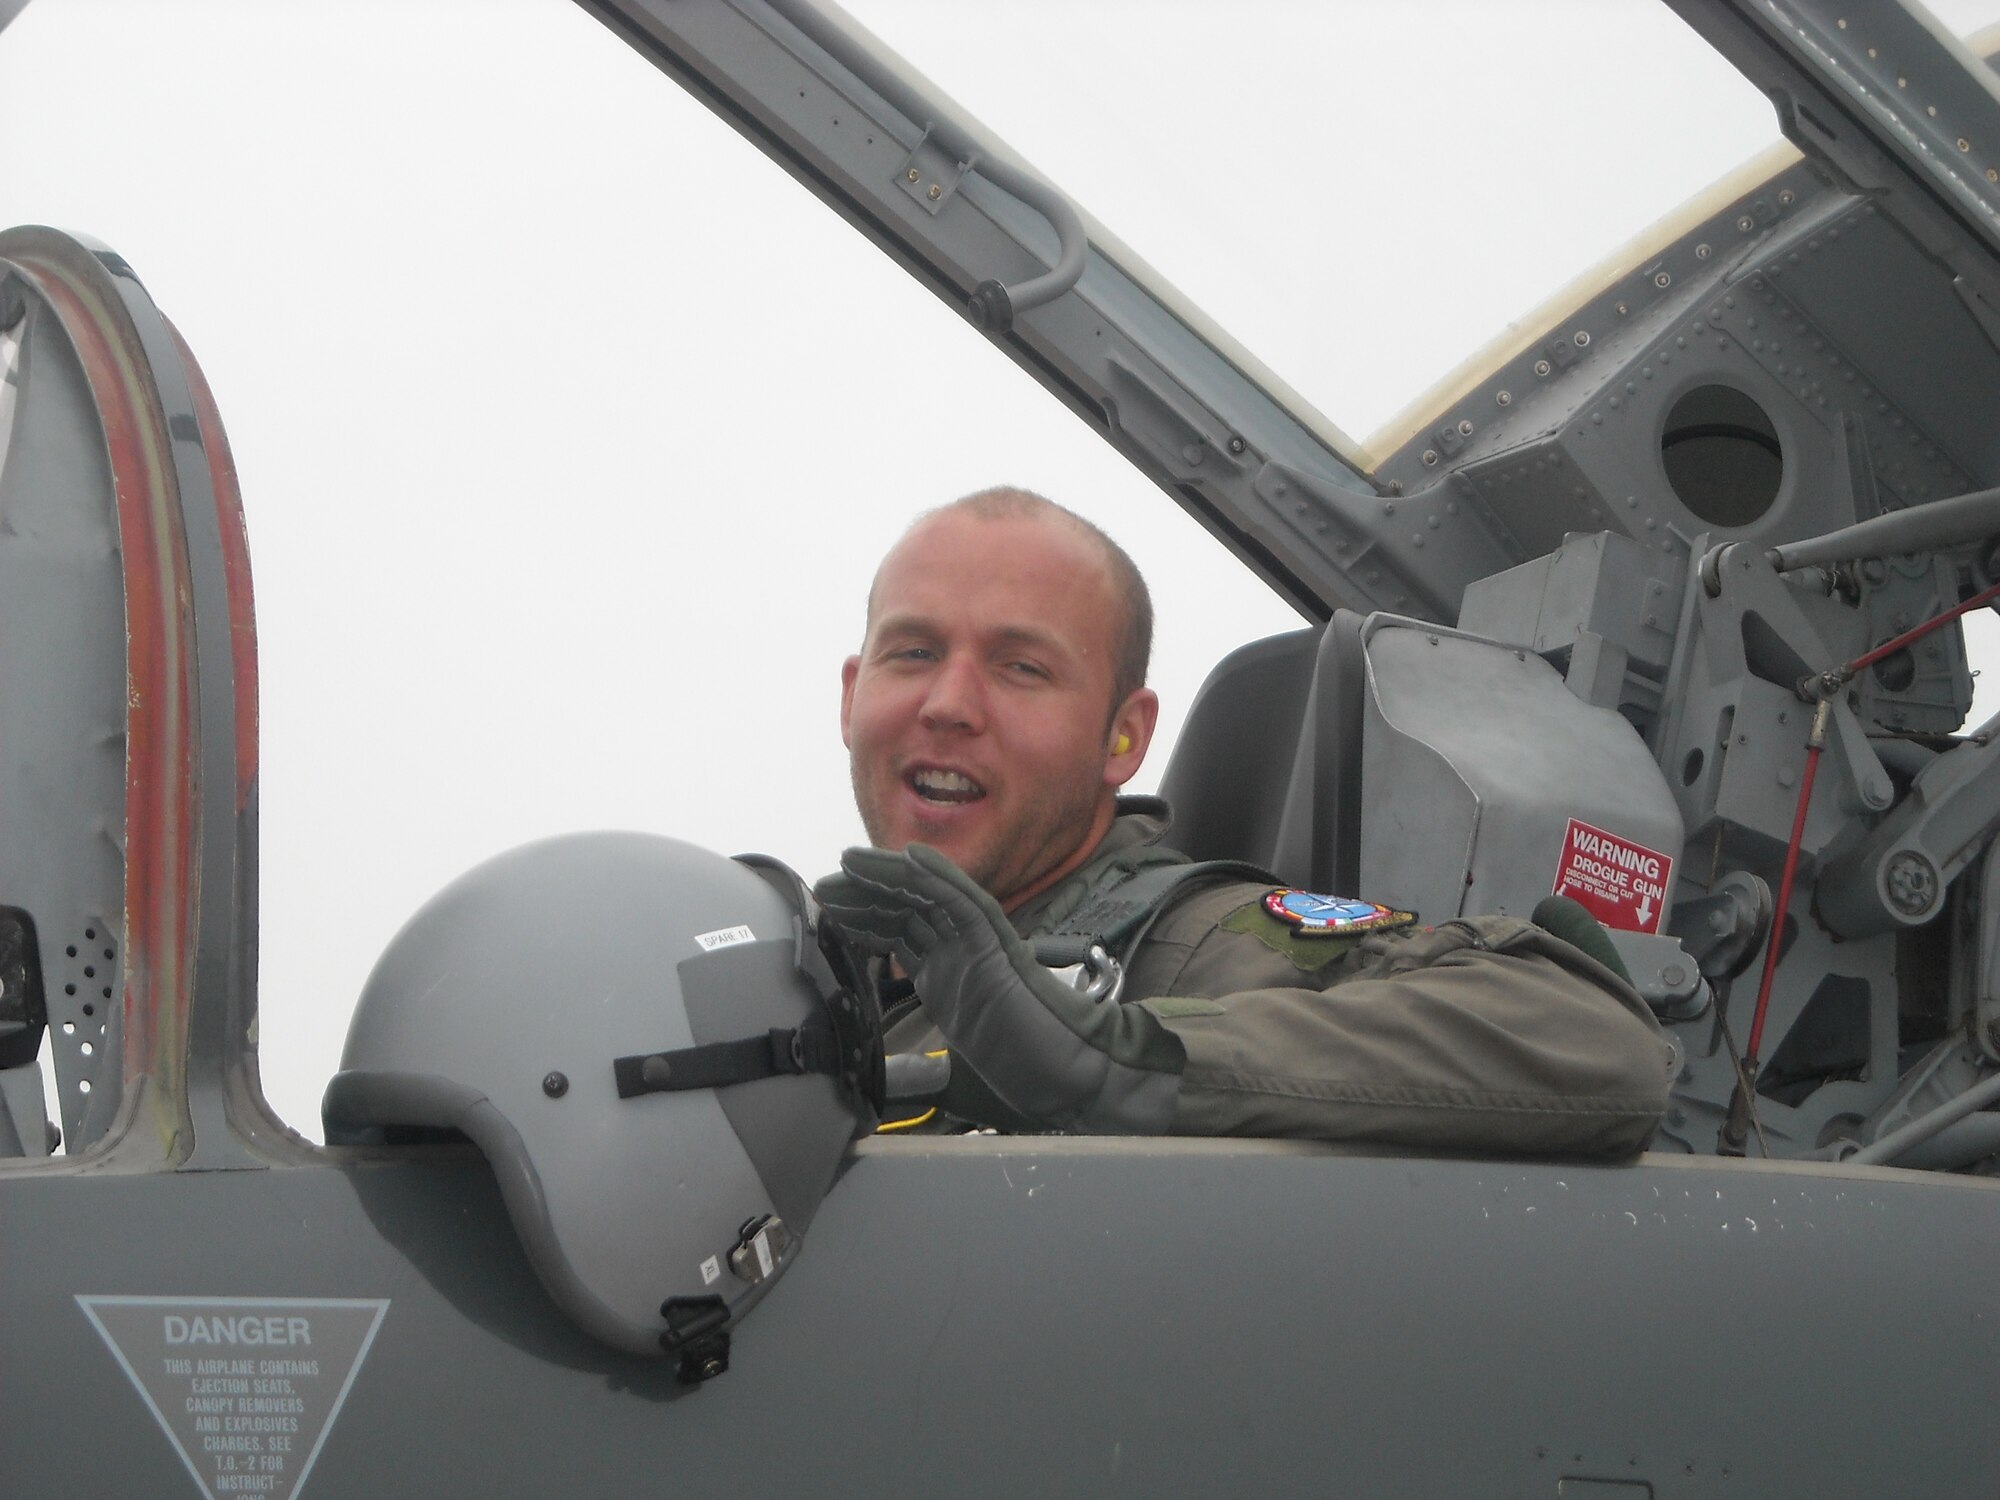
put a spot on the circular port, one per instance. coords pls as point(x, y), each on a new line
point(1722, 455)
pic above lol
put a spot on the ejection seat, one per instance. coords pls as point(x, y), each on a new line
point(1268, 765)
point(1434, 770)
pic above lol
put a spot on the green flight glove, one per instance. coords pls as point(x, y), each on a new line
point(1060, 1060)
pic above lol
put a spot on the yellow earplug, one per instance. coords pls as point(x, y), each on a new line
point(1124, 744)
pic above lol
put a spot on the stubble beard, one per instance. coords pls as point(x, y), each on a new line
point(1042, 834)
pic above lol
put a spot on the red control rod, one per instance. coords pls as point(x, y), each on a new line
point(1828, 686)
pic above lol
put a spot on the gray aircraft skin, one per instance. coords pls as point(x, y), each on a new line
point(1589, 629)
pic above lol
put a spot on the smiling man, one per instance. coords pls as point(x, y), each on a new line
point(996, 706)
point(999, 699)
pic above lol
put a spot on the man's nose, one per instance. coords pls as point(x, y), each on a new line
point(957, 697)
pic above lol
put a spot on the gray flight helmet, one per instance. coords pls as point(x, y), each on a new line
point(660, 1052)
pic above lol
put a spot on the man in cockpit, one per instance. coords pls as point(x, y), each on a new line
point(996, 706)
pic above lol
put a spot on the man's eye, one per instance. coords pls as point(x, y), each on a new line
point(912, 653)
point(1027, 669)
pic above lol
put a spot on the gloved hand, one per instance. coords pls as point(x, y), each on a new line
point(1060, 1060)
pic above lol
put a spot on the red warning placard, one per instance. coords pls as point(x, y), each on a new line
point(1620, 883)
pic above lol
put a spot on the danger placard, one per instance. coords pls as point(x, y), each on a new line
point(246, 1388)
point(1620, 883)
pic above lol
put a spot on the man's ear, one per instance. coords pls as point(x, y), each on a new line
point(1132, 727)
point(849, 670)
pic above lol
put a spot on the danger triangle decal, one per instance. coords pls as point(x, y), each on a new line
point(246, 1388)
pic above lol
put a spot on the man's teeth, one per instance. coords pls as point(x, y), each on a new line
point(946, 786)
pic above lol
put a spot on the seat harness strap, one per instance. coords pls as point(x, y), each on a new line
point(1116, 916)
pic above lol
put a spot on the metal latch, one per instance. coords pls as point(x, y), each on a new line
point(1098, 977)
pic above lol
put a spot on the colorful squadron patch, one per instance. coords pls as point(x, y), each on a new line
point(1332, 916)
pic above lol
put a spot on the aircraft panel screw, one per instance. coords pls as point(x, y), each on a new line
point(912, 175)
point(1541, 367)
point(555, 1085)
point(1465, 429)
point(1504, 398)
point(1237, 445)
point(1582, 339)
point(936, 191)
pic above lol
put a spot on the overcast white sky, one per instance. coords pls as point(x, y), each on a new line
point(570, 429)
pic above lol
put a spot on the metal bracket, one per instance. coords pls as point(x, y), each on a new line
point(1173, 426)
point(1867, 778)
point(1897, 875)
point(931, 174)
point(1725, 929)
point(1664, 973)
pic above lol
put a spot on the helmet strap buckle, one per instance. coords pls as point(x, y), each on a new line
point(697, 1330)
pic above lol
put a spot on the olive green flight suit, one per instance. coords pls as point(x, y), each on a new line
point(1482, 1034)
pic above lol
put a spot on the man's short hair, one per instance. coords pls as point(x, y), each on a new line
point(1135, 645)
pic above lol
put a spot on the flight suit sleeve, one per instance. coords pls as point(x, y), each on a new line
point(1485, 1034)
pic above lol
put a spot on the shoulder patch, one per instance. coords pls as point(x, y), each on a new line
point(1314, 915)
